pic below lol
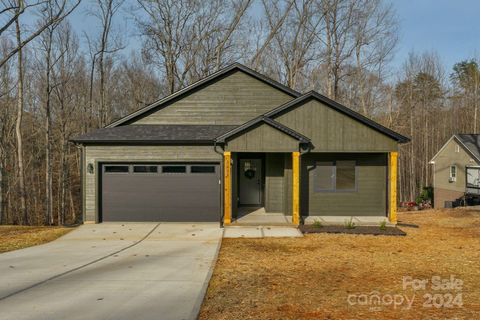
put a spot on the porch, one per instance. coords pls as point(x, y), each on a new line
point(281, 188)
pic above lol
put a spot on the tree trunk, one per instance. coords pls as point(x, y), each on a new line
point(48, 139)
point(18, 125)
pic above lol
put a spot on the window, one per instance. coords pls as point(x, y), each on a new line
point(174, 169)
point(345, 175)
point(145, 169)
point(453, 173)
point(457, 148)
point(116, 169)
point(325, 176)
point(202, 169)
point(335, 176)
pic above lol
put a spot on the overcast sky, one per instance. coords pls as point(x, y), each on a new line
point(449, 27)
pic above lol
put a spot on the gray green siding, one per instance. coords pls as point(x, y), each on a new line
point(232, 100)
point(262, 138)
point(274, 182)
point(368, 200)
point(96, 154)
point(332, 131)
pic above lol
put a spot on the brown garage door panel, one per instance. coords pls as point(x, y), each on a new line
point(174, 197)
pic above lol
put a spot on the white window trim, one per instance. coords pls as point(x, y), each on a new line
point(452, 178)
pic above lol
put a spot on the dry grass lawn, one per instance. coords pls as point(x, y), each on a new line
point(18, 237)
point(312, 277)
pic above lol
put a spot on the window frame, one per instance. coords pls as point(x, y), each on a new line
point(203, 165)
point(174, 165)
point(145, 165)
point(116, 165)
point(453, 177)
point(334, 178)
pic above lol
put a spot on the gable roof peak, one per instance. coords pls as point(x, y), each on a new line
point(205, 81)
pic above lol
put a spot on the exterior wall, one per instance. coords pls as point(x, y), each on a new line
point(442, 195)
point(332, 131)
point(274, 182)
point(370, 198)
point(232, 100)
point(96, 154)
point(262, 138)
point(443, 189)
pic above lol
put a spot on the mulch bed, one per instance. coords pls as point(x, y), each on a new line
point(369, 230)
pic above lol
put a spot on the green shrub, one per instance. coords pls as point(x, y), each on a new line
point(349, 224)
point(383, 225)
point(317, 223)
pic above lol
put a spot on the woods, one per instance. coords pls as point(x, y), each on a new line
point(57, 82)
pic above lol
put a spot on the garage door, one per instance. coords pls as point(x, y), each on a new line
point(160, 192)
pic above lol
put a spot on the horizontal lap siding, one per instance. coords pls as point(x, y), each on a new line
point(262, 138)
point(332, 131)
point(95, 154)
point(274, 182)
point(368, 200)
point(232, 100)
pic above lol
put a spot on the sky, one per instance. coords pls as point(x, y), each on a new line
point(451, 28)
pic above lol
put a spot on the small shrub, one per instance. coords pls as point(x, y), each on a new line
point(317, 223)
point(349, 224)
point(383, 225)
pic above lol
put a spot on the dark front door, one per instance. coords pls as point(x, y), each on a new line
point(250, 181)
point(160, 192)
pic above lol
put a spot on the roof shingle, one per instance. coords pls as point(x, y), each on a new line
point(155, 134)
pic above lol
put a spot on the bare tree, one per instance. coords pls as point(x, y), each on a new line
point(18, 8)
point(105, 44)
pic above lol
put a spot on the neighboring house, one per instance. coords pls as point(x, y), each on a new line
point(236, 139)
point(456, 169)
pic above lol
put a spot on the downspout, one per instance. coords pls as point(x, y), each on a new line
point(221, 183)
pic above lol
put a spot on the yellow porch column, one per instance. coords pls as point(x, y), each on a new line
point(296, 187)
point(227, 188)
point(392, 169)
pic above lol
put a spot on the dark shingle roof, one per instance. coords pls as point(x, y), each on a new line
point(471, 142)
point(155, 134)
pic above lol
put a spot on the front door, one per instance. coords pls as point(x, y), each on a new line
point(250, 182)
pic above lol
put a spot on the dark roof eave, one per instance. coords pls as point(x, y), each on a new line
point(288, 131)
point(343, 109)
point(142, 142)
point(199, 83)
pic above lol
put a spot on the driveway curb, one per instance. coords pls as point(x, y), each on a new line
point(198, 304)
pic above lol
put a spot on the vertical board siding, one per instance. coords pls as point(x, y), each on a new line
point(232, 100)
point(95, 154)
point(274, 182)
point(262, 138)
point(332, 131)
point(370, 198)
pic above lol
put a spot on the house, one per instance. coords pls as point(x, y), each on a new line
point(456, 169)
point(238, 139)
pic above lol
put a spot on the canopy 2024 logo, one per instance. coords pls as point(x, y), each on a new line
point(440, 293)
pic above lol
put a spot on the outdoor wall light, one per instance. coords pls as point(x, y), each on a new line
point(90, 168)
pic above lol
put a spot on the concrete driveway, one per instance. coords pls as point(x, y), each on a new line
point(112, 271)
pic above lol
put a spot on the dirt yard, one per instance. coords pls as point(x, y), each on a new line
point(327, 276)
point(18, 237)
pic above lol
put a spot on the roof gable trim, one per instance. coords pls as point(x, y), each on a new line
point(459, 141)
point(205, 81)
point(262, 119)
point(340, 108)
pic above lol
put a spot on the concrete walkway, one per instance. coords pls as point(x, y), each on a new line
point(112, 271)
point(261, 232)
